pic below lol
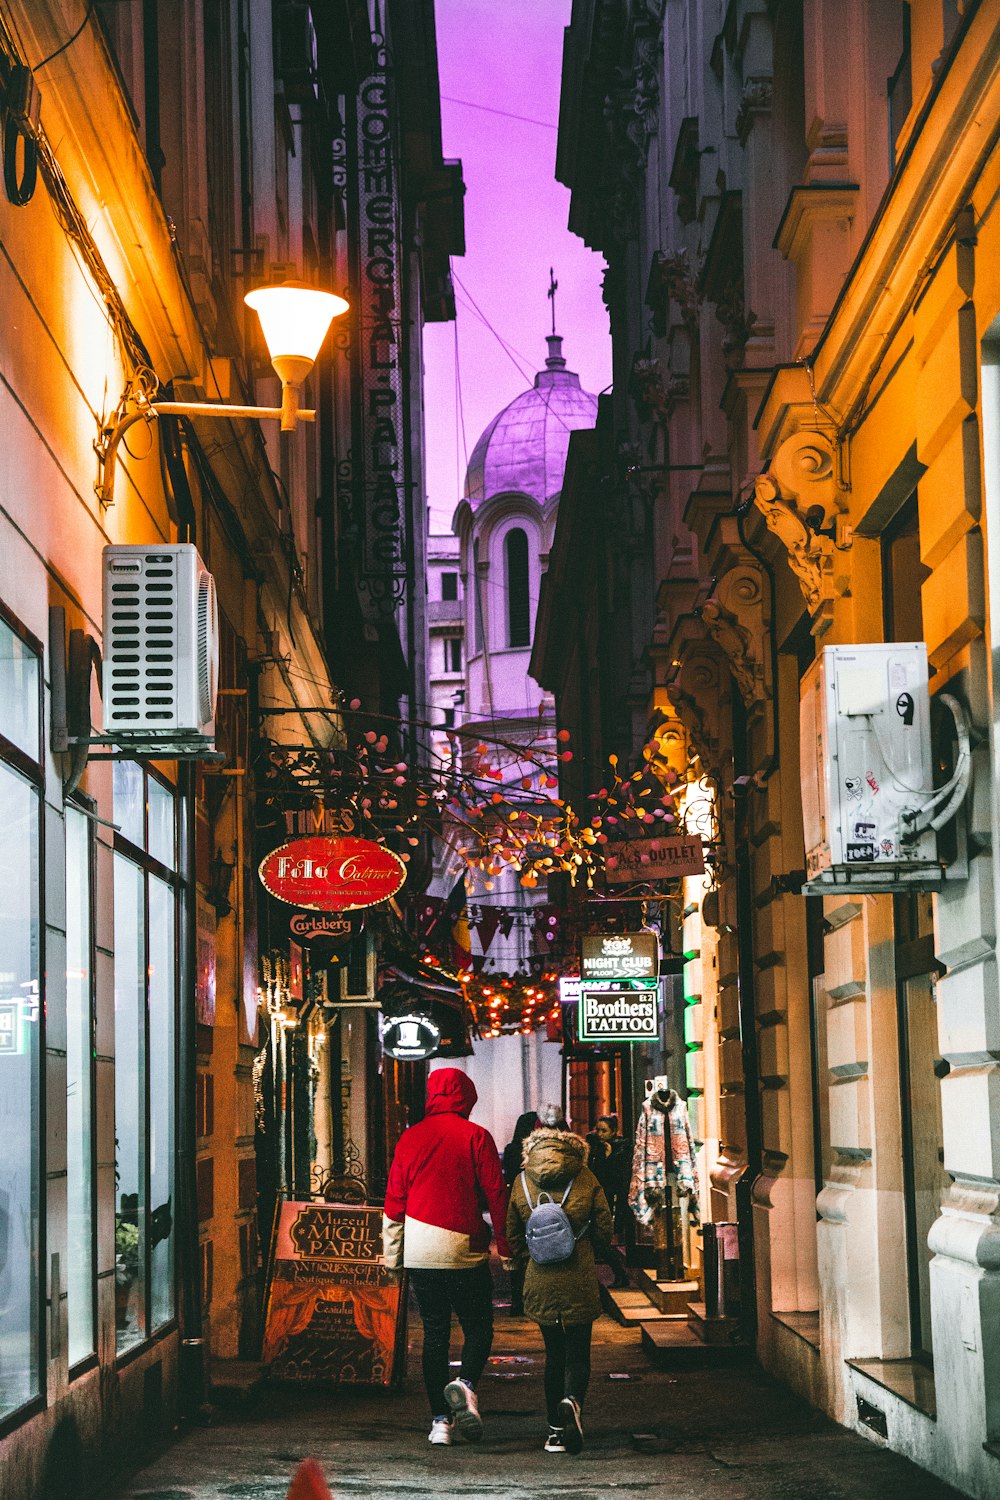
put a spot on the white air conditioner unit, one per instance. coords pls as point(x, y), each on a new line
point(161, 648)
point(869, 806)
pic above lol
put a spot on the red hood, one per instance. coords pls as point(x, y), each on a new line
point(450, 1092)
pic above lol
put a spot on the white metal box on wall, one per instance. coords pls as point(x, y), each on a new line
point(161, 645)
point(867, 769)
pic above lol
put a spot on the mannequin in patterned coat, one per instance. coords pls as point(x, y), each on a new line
point(663, 1146)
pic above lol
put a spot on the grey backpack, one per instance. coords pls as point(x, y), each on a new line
point(548, 1231)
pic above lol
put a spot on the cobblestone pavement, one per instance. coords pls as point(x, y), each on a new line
point(728, 1433)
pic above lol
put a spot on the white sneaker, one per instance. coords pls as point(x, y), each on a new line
point(465, 1410)
point(554, 1442)
point(441, 1434)
point(569, 1409)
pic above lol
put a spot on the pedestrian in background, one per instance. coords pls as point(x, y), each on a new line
point(546, 1116)
point(610, 1160)
point(444, 1171)
point(563, 1297)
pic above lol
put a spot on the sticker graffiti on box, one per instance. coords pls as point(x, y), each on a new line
point(334, 1313)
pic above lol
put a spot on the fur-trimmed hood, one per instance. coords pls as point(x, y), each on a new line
point(554, 1157)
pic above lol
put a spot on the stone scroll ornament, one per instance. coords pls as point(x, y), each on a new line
point(799, 499)
point(735, 620)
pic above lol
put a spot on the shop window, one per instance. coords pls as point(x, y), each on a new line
point(449, 587)
point(19, 692)
point(80, 1269)
point(902, 576)
point(952, 12)
point(453, 653)
point(161, 1000)
point(518, 602)
point(21, 968)
point(920, 1069)
point(147, 898)
point(899, 89)
point(919, 1065)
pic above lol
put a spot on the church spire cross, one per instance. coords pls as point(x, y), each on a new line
point(555, 360)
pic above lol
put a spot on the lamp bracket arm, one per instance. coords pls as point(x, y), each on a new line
point(107, 443)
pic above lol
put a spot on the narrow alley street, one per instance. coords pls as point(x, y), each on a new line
point(732, 1433)
point(499, 749)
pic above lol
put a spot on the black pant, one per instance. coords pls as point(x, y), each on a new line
point(469, 1294)
point(567, 1364)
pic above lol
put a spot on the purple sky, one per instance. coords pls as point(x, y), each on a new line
point(506, 54)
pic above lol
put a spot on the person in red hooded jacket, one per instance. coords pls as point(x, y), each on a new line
point(445, 1172)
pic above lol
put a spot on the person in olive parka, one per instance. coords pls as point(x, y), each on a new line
point(563, 1298)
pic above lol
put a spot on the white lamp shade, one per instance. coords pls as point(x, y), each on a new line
point(294, 319)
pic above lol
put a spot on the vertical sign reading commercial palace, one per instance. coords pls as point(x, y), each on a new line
point(379, 460)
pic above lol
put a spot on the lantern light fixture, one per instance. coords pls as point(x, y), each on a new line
point(294, 319)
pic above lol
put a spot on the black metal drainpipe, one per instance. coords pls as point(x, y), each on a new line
point(748, 1034)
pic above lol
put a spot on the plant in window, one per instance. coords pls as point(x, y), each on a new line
point(126, 1252)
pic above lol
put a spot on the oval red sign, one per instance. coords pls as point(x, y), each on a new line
point(332, 874)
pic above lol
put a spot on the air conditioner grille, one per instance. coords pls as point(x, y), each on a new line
point(161, 648)
point(208, 654)
point(143, 636)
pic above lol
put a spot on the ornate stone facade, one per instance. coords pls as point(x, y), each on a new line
point(835, 464)
point(801, 503)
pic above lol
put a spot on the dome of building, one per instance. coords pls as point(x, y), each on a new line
point(524, 448)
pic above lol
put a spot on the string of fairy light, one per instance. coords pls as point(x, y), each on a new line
point(500, 798)
point(489, 789)
point(511, 1004)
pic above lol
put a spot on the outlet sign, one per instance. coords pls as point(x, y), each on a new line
point(332, 874)
point(621, 955)
point(652, 859)
point(621, 1011)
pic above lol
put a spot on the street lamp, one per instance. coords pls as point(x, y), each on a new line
point(294, 319)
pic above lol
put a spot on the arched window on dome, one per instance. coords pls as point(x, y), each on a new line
point(477, 601)
point(518, 601)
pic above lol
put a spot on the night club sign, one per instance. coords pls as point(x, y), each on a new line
point(626, 955)
point(332, 874)
point(622, 1010)
point(380, 469)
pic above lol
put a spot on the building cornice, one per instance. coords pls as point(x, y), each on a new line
point(934, 182)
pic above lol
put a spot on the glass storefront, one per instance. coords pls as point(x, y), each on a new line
point(161, 1000)
point(20, 1022)
point(147, 896)
point(79, 1086)
point(130, 1091)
